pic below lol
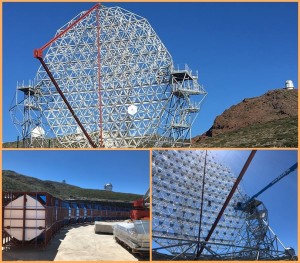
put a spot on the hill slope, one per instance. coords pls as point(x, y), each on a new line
point(12, 181)
point(270, 120)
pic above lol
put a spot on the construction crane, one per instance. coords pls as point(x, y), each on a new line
point(252, 202)
point(141, 208)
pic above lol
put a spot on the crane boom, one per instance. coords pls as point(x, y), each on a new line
point(243, 206)
point(284, 174)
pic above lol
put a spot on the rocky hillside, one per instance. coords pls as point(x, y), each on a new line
point(270, 120)
point(12, 181)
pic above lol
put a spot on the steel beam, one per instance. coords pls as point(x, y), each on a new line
point(66, 102)
point(227, 201)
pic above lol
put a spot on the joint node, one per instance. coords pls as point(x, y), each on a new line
point(38, 53)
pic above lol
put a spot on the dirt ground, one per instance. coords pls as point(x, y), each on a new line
point(75, 243)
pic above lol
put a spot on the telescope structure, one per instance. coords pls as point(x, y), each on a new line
point(189, 191)
point(107, 80)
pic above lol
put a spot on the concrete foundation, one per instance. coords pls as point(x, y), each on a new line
point(76, 243)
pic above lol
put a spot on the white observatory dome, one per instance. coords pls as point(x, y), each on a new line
point(37, 132)
point(108, 187)
point(289, 84)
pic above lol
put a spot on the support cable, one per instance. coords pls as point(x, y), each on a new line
point(227, 200)
point(99, 77)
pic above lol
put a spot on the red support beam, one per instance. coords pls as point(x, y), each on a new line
point(38, 53)
point(67, 103)
point(227, 201)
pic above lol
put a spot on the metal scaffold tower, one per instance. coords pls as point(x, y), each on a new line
point(27, 117)
point(107, 80)
point(195, 214)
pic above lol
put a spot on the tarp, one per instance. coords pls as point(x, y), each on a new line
point(104, 227)
point(134, 234)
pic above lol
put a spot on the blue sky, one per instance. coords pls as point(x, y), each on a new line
point(128, 171)
point(241, 50)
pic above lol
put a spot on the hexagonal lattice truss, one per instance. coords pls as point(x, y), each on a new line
point(176, 205)
point(107, 63)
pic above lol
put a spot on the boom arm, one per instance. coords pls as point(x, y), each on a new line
point(242, 206)
point(284, 174)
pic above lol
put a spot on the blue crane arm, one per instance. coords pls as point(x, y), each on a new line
point(285, 173)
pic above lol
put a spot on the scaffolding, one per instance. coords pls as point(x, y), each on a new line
point(107, 80)
point(27, 116)
point(189, 191)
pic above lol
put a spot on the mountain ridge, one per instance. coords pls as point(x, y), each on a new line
point(274, 113)
point(13, 181)
point(269, 120)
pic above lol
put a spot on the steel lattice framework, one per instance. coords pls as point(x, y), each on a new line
point(119, 79)
point(189, 190)
point(27, 115)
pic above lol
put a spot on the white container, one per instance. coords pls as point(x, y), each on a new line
point(289, 84)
